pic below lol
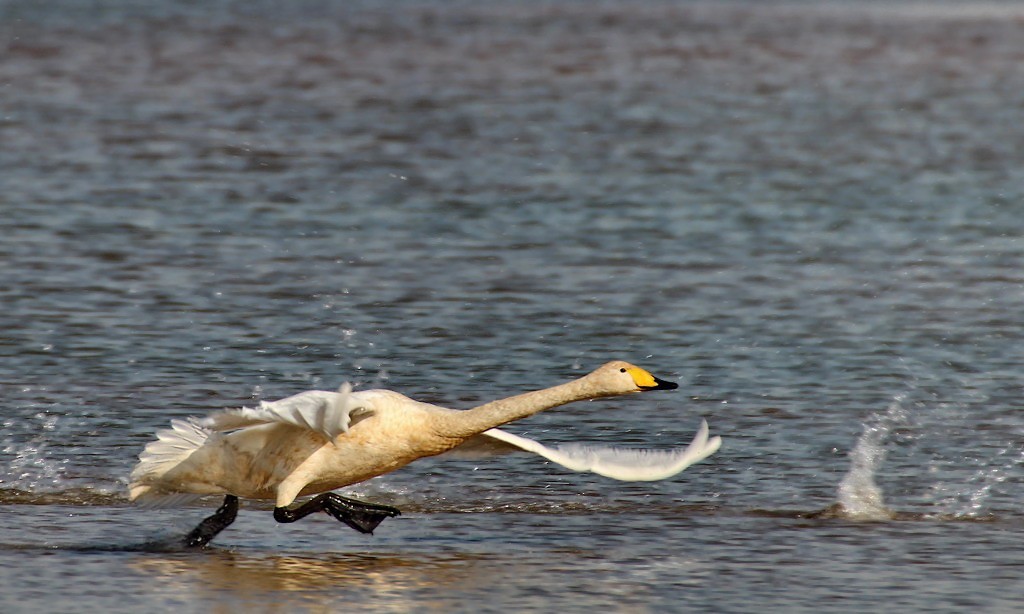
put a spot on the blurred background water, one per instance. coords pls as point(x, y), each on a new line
point(809, 214)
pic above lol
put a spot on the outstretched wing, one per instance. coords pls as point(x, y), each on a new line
point(625, 464)
point(327, 413)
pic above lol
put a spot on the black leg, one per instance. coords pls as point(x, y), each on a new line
point(209, 528)
point(363, 517)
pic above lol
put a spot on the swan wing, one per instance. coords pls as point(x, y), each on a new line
point(631, 465)
point(320, 411)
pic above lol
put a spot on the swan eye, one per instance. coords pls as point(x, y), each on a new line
point(622, 370)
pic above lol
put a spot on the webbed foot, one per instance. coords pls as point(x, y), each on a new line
point(363, 517)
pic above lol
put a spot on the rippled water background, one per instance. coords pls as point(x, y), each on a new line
point(808, 214)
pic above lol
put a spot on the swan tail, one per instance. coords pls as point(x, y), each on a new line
point(172, 447)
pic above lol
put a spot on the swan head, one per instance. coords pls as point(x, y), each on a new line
point(620, 377)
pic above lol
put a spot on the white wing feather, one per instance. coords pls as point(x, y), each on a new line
point(320, 411)
point(625, 464)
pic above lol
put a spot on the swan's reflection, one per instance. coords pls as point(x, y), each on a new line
point(399, 582)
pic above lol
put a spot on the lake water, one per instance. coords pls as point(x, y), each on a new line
point(810, 215)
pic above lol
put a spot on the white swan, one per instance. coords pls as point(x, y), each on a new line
point(318, 441)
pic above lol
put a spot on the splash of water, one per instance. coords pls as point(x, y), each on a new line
point(35, 466)
point(959, 501)
point(859, 495)
point(30, 465)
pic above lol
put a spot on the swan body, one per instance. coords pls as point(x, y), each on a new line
point(319, 441)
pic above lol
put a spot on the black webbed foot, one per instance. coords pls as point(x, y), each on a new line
point(363, 517)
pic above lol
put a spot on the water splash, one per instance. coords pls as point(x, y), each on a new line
point(971, 501)
point(859, 495)
point(30, 464)
point(966, 469)
point(37, 463)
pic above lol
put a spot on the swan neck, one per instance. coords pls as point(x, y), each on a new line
point(474, 421)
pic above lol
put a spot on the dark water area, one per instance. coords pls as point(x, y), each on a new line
point(808, 214)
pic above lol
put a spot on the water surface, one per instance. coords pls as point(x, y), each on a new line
point(808, 214)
